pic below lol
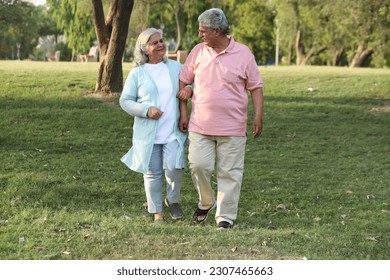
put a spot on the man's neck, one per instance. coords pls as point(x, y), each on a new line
point(222, 44)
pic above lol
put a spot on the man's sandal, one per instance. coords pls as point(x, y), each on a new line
point(201, 215)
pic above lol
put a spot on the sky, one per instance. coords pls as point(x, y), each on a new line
point(39, 2)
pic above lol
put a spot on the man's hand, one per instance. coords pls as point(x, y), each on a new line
point(183, 123)
point(257, 127)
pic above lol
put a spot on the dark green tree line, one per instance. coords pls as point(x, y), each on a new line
point(338, 32)
point(331, 32)
point(322, 32)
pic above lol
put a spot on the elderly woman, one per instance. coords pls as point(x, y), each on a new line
point(149, 94)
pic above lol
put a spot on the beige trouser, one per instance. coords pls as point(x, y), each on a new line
point(228, 154)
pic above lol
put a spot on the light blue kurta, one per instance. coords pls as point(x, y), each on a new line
point(139, 93)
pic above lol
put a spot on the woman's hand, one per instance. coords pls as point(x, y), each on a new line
point(185, 93)
point(154, 113)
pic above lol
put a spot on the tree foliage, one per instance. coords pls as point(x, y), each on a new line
point(335, 32)
point(21, 25)
point(367, 28)
point(74, 19)
point(254, 27)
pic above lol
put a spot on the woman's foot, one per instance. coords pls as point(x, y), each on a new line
point(158, 217)
point(174, 210)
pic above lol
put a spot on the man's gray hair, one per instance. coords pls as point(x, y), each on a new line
point(214, 18)
point(141, 46)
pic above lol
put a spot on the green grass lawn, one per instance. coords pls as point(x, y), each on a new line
point(316, 183)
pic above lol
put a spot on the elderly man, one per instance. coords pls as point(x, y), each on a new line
point(221, 72)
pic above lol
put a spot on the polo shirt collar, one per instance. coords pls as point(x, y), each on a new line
point(231, 44)
point(229, 48)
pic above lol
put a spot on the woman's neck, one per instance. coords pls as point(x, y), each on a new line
point(155, 60)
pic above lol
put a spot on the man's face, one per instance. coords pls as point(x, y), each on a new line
point(207, 34)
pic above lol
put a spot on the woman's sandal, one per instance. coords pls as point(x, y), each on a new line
point(201, 215)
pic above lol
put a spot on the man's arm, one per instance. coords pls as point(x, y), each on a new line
point(257, 100)
point(183, 121)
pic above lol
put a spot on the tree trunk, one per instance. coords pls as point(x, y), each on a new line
point(178, 27)
point(313, 51)
point(177, 7)
point(362, 53)
point(336, 61)
point(290, 55)
point(111, 34)
point(299, 48)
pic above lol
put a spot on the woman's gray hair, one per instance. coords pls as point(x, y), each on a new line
point(141, 46)
point(214, 18)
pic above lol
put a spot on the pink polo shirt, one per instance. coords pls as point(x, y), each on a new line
point(221, 81)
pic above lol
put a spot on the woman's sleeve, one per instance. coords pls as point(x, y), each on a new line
point(129, 97)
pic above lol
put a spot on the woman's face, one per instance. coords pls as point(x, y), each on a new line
point(156, 48)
